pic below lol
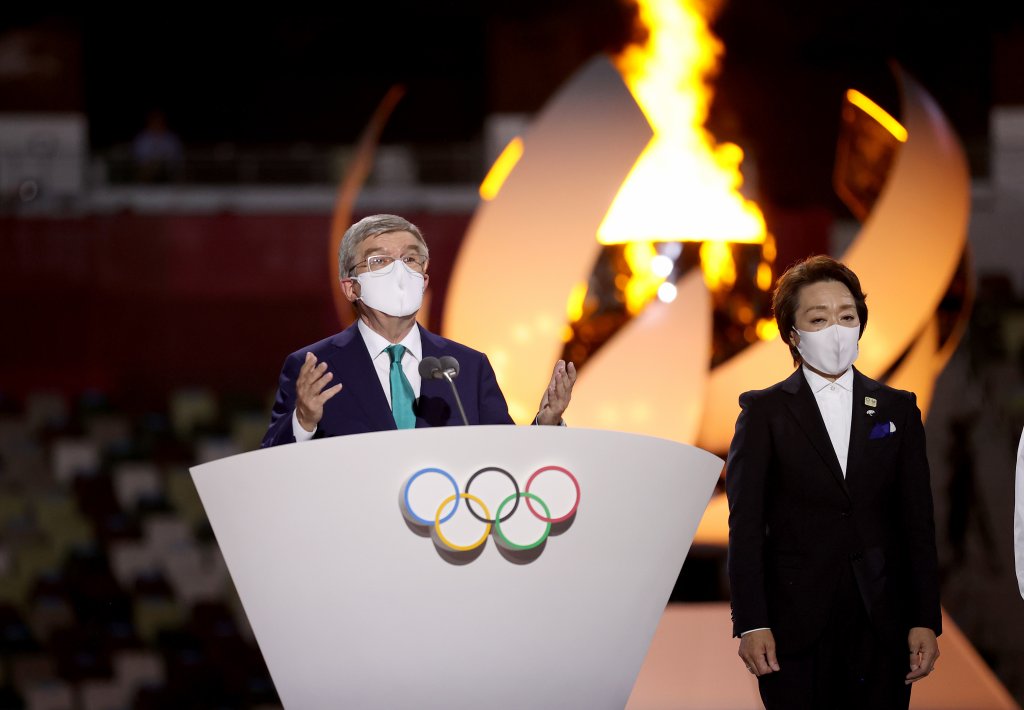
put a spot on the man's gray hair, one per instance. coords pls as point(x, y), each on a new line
point(370, 227)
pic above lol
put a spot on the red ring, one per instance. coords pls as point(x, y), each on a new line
point(572, 510)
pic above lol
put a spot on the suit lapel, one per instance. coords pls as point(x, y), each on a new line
point(804, 409)
point(433, 407)
point(860, 423)
point(360, 379)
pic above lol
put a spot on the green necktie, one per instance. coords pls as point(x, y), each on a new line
point(401, 391)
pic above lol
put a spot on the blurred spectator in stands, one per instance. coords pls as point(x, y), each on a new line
point(157, 151)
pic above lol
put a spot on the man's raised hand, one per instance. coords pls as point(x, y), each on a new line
point(310, 394)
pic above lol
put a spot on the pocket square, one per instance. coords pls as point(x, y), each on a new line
point(882, 430)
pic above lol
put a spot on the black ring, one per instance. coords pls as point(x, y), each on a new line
point(469, 503)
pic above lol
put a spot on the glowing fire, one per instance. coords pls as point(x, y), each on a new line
point(684, 186)
point(718, 265)
point(643, 285)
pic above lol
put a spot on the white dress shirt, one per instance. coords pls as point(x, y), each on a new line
point(376, 346)
point(1018, 517)
point(835, 402)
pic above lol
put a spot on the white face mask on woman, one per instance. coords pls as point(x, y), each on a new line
point(395, 290)
point(831, 350)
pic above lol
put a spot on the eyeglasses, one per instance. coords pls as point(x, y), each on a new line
point(381, 263)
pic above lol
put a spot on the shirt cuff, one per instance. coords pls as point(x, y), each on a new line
point(536, 420)
point(750, 631)
point(297, 430)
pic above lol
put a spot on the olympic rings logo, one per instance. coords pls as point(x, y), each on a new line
point(431, 500)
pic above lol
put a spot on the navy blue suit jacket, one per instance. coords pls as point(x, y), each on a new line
point(794, 519)
point(361, 405)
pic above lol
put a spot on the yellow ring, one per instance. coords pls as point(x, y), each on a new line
point(443, 539)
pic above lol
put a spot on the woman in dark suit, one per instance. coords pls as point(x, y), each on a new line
point(832, 560)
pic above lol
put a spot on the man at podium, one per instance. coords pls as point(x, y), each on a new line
point(368, 377)
point(832, 561)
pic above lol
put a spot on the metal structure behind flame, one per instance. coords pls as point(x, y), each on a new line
point(654, 375)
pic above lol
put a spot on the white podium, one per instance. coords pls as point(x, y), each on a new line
point(366, 588)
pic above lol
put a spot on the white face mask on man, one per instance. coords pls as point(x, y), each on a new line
point(830, 350)
point(395, 290)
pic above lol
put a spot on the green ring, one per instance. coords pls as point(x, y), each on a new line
point(505, 542)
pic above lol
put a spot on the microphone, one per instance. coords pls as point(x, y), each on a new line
point(447, 368)
point(450, 365)
point(430, 368)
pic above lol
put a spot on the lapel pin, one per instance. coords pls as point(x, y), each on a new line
point(871, 401)
point(871, 412)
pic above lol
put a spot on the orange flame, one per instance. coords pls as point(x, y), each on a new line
point(684, 186)
point(643, 283)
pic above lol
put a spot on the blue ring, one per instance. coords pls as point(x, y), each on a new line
point(416, 475)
